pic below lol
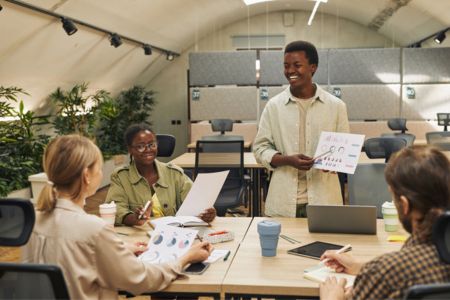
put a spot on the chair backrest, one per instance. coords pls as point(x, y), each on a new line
point(408, 137)
point(443, 120)
point(166, 144)
point(25, 281)
point(222, 125)
point(397, 124)
point(383, 147)
point(429, 291)
point(32, 281)
point(226, 154)
point(440, 139)
point(441, 236)
point(367, 186)
point(16, 221)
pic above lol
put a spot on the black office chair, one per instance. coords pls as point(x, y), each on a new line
point(222, 125)
point(443, 120)
point(383, 147)
point(441, 239)
point(25, 281)
point(440, 139)
point(235, 186)
point(441, 236)
point(166, 144)
point(400, 124)
point(367, 186)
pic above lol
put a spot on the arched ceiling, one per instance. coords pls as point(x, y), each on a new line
point(177, 24)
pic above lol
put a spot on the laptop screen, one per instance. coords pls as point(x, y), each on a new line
point(342, 219)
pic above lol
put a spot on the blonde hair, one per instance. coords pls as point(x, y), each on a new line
point(65, 159)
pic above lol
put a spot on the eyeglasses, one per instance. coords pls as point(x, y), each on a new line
point(142, 147)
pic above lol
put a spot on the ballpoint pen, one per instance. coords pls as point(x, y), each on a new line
point(287, 238)
point(227, 255)
point(346, 248)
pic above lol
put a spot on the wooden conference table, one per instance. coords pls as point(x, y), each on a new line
point(210, 283)
point(187, 160)
point(253, 275)
point(247, 273)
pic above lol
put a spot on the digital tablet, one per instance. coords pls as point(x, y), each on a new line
point(314, 250)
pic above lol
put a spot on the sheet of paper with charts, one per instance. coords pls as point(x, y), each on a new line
point(168, 243)
point(338, 152)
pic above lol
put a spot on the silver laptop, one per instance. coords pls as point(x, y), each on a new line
point(342, 219)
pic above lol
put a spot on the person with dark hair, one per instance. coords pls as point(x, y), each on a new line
point(288, 134)
point(146, 178)
point(419, 180)
point(95, 262)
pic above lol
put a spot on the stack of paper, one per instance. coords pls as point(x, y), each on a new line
point(321, 273)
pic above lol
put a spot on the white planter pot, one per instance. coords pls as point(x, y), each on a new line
point(23, 193)
point(38, 181)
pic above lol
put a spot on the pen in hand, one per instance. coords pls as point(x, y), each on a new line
point(346, 248)
point(227, 255)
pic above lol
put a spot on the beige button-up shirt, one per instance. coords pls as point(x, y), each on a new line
point(278, 132)
point(95, 262)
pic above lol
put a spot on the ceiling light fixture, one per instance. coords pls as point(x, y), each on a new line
point(251, 2)
point(69, 26)
point(313, 13)
point(115, 40)
point(169, 56)
point(147, 49)
point(440, 37)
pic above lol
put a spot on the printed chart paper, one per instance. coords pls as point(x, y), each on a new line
point(168, 243)
point(338, 152)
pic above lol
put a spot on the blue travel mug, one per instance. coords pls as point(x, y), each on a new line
point(269, 231)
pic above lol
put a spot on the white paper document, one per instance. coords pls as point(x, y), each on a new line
point(168, 243)
point(338, 152)
point(203, 193)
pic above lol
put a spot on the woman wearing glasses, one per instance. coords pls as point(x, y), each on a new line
point(145, 179)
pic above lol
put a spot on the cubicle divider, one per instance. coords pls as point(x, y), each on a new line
point(376, 84)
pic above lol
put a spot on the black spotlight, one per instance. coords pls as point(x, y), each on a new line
point(169, 56)
point(115, 40)
point(440, 37)
point(69, 26)
point(1, 7)
point(147, 49)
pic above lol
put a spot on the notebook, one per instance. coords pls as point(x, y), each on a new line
point(180, 221)
point(322, 272)
point(342, 219)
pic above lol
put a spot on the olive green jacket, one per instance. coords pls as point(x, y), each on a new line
point(130, 190)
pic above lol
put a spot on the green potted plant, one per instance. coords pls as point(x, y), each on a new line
point(21, 144)
point(115, 115)
point(75, 110)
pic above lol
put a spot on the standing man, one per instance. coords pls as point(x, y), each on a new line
point(289, 132)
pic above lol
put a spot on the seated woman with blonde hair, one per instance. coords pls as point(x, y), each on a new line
point(95, 262)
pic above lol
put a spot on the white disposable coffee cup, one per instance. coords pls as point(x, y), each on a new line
point(108, 212)
point(390, 216)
